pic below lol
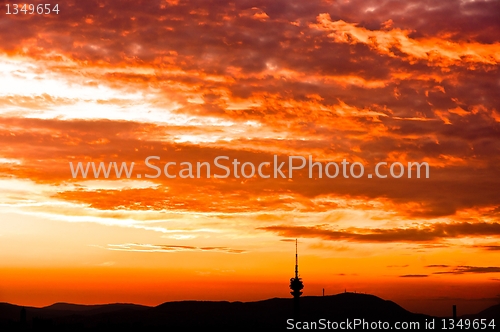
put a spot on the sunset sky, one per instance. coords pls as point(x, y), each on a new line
point(361, 80)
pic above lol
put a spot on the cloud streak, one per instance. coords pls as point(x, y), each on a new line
point(143, 247)
point(470, 269)
point(434, 232)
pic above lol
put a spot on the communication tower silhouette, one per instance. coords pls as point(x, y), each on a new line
point(296, 285)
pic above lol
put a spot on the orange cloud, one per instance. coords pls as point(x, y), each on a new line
point(436, 51)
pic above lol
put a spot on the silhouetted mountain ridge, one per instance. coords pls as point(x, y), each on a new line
point(93, 307)
point(271, 314)
point(492, 312)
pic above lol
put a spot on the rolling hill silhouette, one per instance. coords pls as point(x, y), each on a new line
point(270, 314)
point(492, 312)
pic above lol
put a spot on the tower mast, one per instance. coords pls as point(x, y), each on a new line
point(296, 260)
point(296, 285)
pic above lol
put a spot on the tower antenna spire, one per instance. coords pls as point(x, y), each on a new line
point(296, 260)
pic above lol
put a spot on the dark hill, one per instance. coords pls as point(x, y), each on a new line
point(96, 308)
point(492, 312)
point(270, 315)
